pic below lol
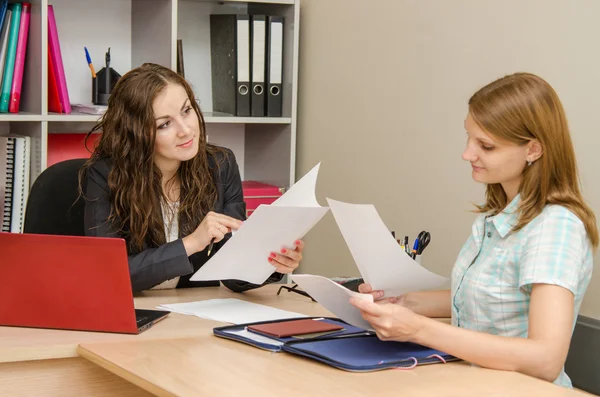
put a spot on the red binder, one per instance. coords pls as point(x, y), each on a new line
point(53, 99)
point(69, 146)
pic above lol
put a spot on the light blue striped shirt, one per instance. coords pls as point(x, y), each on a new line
point(495, 270)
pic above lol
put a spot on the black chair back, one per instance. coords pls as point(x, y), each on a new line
point(54, 205)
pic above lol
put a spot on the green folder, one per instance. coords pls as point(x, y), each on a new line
point(11, 54)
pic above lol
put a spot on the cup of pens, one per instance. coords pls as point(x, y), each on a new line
point(419, 245)
point(104, 81)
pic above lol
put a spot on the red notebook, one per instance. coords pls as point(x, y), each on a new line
point(294, 327)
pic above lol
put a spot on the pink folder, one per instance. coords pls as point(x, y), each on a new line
point(17, 82)
point(59, 70)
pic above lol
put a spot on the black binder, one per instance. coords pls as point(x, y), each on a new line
point(274, 65)
point(258, 30)
point(230, 63)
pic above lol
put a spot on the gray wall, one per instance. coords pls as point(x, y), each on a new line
point(382, 99)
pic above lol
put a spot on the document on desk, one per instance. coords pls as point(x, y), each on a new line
point(230, 310)
point(334, 297)
point(380, 260)
point(268, 229)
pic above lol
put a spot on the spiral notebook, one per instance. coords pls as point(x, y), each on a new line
point(20, 182)
point(7, 160)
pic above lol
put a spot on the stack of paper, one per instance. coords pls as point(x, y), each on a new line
point(233, 311)
point(271, 227)
point(380, 260)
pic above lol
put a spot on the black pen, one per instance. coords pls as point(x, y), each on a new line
point(210, 246)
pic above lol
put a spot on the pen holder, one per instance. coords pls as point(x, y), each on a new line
point(103, 84)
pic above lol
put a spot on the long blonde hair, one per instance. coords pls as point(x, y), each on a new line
point(520, 108)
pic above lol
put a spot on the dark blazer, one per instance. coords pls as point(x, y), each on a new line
point(154, 265)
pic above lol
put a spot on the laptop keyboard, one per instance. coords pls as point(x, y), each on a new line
point(142, 319)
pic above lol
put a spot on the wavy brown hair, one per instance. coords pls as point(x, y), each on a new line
point(127, 140)
point(519, 108)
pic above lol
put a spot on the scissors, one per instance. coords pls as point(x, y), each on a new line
point(421, 243)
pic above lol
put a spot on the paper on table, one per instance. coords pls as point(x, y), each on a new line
point(333, 297)
point(255, 337)
point(271, 227)
point(380, 260)
point(231, 311)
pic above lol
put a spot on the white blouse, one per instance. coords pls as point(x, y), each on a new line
point(169, 212)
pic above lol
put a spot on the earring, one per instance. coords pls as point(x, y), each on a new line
point(529, 163)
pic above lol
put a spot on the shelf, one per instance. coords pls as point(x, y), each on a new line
point(223, 118)
point(288, 2)
point(73, 117)
point(21, 116)
point(209, 118)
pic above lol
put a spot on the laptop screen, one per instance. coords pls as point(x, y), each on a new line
point(65, 282)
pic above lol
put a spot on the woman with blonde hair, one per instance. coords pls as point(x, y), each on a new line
point(518, 282)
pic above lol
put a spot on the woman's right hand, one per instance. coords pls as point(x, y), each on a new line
point(378, 295)
point(213, 226)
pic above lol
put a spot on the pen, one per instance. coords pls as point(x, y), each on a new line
point(210, 246)
point(89, 61)
point(415, 249)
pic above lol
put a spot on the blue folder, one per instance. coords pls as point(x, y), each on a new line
point(351, 349)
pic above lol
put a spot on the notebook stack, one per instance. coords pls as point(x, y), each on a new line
point(14, 30)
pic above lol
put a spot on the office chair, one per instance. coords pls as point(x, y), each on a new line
point(54, 206)
point(582, 364)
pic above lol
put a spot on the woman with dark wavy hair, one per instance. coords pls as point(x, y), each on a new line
point(155, 181)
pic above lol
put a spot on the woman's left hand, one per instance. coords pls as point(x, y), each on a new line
point(286, 260)
point(389, 320)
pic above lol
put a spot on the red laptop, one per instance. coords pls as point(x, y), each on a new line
point(64, 282)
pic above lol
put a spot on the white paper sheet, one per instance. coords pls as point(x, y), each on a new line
point(380, 260)
point(255, 337)
point(268, 229)
point(334, 297)
point(229, 310)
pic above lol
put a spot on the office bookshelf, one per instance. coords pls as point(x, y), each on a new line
point(139, 31)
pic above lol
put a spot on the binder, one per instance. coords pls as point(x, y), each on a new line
point(15, 90)
point(11, 53)
point(259, 35)
point(274, 65)
point(351, 349)
point(59, 70)
point(53, 98)
point(4, 33)
point(3, 9)
point(230, 63)
point(7, 160)
point(20, 182)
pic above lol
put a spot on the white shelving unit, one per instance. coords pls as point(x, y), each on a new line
point(139, 31)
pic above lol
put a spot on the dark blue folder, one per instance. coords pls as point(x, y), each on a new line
point(352, 349)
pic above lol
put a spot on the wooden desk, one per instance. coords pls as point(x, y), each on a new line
point(180, 356)
point(211, 366)
point(45, 362)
